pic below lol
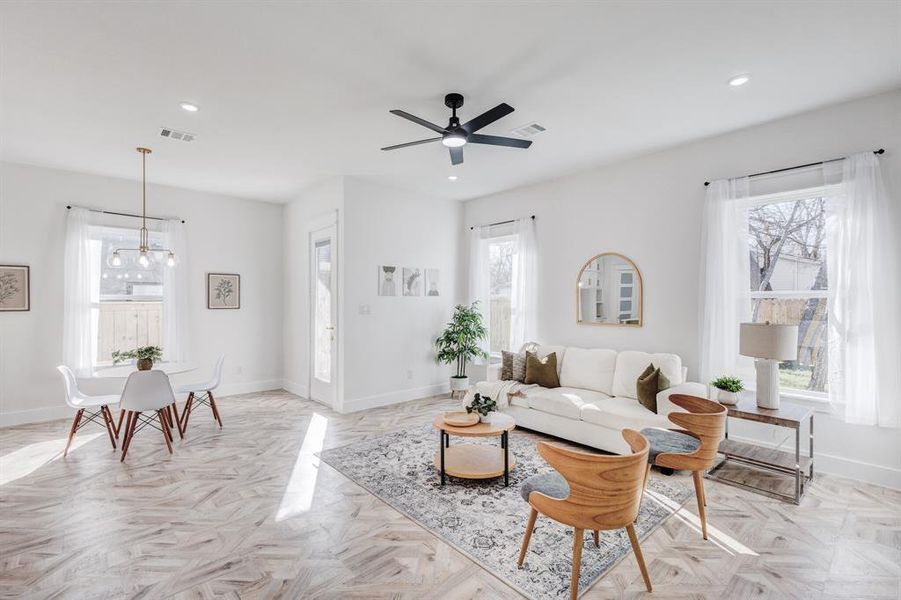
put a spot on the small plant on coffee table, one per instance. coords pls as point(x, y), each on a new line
point(482, 405)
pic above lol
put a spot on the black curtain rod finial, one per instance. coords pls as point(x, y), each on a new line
point(880, 151)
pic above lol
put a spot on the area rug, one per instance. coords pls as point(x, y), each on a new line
point(487, 521)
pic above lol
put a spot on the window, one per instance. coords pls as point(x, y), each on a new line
point(789, 284)
point(128, 302)
point(501, 254)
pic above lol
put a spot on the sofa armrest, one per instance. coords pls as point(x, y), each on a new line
point(689, 388)
point(494, 372)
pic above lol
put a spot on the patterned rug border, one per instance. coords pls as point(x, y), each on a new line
point(456, 546)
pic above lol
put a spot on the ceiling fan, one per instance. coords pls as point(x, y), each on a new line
point(455, 135)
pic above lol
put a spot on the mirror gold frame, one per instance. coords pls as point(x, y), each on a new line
point(640, 295)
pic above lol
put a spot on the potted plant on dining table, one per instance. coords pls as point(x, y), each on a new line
point(144, 356)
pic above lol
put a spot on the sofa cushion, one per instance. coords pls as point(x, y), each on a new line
point(561, 401)
point(631, 363)
point(560, 351)
point(589, 369)
point(621, 413)
point(542, 371)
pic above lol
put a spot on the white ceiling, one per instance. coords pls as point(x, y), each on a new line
point(291, 93)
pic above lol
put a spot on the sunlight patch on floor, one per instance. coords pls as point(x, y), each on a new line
point(727, 543)
point(28, 459)
point(298, 497)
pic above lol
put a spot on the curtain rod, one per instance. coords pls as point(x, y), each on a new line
point(501, 222)
point(813, 164)
point(122, 214)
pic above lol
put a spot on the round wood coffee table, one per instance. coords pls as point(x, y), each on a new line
point(475, 461)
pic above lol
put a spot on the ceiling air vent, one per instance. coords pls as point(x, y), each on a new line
point(528, 130)
point(173, 134)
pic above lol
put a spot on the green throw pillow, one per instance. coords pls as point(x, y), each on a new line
point(542, 372)
point(647, 386)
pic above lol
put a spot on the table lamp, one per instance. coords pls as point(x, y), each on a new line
point(768, 344)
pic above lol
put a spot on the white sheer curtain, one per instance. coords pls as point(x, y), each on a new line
point(479, 284)
point(725, 277)
point(864, 294)
point(524, 290)
point(81, 290)
point(175, 334)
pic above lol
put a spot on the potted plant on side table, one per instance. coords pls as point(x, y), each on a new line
point(459, 343)
point(728, 389)
point(145, 356)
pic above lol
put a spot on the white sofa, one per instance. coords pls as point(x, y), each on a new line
point(597, 398)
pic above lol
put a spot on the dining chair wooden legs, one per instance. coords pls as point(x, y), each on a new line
point(578, 542)
point(525, 542)
point(73, 429)
point(215, 408)
point(597, 538)
point(83, 416)
point(136, 420)
point(119, 426)
point(636, 548)
point(110, 426)
point(194, 399)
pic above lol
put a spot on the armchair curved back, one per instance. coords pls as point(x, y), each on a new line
point(604, 491)
point(705, 420)
point(146, 391)
point(71, 383)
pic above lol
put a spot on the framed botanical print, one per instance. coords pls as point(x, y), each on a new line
point(223, 290)
point(15, 288)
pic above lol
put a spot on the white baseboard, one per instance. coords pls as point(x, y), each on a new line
point(881, 475)
point(358, 404)
point(249, 387)
point(298, 389)
point(36, 415)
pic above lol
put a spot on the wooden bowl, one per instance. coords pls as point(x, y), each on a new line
point(461, 418)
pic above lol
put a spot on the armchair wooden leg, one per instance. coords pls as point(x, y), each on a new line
point(73, 430)
point(699, 492)
point(189, 405)
point(578, 541)
point(597, 539)
point(630, 529)
point(164, 427)
point(108, 421)
point(215, 409)
point(525, 541)
point(129, 433)
point(119, 425)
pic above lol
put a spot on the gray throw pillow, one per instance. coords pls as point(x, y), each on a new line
point(513, 366)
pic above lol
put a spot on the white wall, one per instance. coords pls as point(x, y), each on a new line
point(225, 234)
point(389, 353)
point(649, 209)
point(314, 203)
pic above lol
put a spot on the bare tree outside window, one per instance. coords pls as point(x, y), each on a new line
point(787, 250)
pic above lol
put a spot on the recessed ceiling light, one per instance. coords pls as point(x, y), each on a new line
point(189, 107)
point(452, 177)
point(740, 80)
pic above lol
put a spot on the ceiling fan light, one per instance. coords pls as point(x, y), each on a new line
point(454, 140)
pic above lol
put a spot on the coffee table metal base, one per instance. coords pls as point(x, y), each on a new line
point(474, 461)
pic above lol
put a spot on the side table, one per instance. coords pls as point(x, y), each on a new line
point(788, 415)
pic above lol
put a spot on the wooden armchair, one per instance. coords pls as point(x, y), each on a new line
point(589, 491)
point(694, 447)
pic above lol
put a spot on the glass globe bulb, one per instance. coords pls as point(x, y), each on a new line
point(115, 260)
point(171, 261)
point(143, 260)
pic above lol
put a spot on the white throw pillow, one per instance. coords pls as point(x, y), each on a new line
point(631, 363)
point(589, 369)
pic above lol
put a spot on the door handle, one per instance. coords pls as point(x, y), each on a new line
point(330, 328)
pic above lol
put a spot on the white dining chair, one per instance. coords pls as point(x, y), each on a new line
point(146, 392)
point(95, 406)
point(202, 393)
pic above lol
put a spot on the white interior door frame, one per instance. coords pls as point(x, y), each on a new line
point(326, 225)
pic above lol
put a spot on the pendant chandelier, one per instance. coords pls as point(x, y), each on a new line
point(144, 250)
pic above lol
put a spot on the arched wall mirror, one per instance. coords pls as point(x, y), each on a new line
point(609, 291)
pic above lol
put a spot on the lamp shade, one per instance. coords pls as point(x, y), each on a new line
point(765, 340)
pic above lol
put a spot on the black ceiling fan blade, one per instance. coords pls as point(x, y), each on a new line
point(417, 120)
point(456, 155)
point(496, 140)
point(396, 146)
point(487, 118)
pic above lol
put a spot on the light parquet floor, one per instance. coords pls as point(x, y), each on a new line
point(248, 512)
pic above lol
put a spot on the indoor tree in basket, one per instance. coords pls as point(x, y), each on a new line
point(459, 342)
point(145, 356)
point(728, 389)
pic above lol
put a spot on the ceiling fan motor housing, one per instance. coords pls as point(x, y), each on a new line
point(453, 100)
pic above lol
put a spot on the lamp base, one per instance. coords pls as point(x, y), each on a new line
point(767, 383)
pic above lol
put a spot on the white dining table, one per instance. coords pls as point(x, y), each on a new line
point(123, 371)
